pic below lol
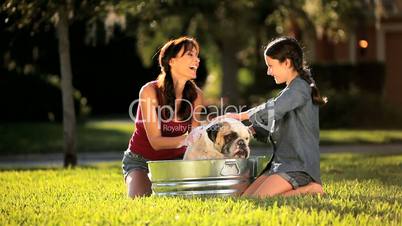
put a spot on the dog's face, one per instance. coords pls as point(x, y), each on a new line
point(230, 137)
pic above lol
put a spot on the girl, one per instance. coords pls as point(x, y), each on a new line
point(290, 121)
point(165, 113)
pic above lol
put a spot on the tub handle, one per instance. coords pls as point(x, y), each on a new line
point(230, 168)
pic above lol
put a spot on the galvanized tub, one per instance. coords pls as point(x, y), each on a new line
point(224, 177)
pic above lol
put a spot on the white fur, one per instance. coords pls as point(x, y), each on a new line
point(199, 146)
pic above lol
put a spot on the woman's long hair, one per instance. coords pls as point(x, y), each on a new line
point(288, 48)
point(166, 93)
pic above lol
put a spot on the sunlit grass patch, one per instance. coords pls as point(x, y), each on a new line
point(361, 190)
point(121, 126)
point(360, 136)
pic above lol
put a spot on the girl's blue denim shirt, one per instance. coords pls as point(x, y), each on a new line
point(291, 122)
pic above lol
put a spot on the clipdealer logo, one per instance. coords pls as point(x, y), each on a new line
point(209, 112)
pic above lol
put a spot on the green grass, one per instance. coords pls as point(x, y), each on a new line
point(360, 136)
point(360, 190)
point(113, 135)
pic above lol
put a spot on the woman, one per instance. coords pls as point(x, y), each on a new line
point(167, 110)
point(290, 121)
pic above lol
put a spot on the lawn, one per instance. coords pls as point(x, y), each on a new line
point(113, 135)
point(343, 136)
point(360, 190)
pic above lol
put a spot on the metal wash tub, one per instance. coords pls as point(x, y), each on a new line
point(224, 177)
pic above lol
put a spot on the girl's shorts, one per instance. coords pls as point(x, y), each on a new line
point(295, 178)
point(132, 161)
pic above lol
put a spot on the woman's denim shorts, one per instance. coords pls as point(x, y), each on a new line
point(132, 161)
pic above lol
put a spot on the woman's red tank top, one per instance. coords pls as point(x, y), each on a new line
point(139, 142)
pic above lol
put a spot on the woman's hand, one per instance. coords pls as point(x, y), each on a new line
point(193, 136)
point(183, 141)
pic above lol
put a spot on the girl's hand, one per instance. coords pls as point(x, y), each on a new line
point(233, 116)
point(228, 115)
point(252, 130)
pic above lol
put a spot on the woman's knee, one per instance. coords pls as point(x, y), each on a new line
point(135, 193)
point(138, 184)
point(136, 190)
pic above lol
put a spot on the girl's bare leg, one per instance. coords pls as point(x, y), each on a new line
point(311, 188)
point(271, 186)
point(254, 186)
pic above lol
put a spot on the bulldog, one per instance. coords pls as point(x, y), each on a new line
point(220, 139)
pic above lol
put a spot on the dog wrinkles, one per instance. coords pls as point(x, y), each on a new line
point(226, 138)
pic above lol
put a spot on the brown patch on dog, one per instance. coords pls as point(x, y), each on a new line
point(220, 137)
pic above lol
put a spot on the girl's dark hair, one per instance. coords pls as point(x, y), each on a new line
point(288, 48)
point(166, 94)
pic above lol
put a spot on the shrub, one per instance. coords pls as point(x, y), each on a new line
point(32, 97)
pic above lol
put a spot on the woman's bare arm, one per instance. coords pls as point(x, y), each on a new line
point(198, 108)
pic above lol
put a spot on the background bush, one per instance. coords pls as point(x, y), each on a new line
point(355, 94)
point(29, 97)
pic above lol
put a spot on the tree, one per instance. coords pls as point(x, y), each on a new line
point(228, 26)
point(60, 13)
point(237, 29)
point(69, 122)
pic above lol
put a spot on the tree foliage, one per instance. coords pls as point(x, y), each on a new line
point(34, 14)
point(232, 33)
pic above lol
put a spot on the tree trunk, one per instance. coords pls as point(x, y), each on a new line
point(262, 82)
point(230, 69)
point(70, 158)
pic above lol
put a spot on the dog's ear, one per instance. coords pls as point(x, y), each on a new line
point(213, 130)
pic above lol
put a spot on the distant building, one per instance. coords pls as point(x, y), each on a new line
point(379, 41)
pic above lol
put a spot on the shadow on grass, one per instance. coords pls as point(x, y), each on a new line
point(92, 166)
point(30, 138)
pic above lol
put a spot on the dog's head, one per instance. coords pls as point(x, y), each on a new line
point(230, 137)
